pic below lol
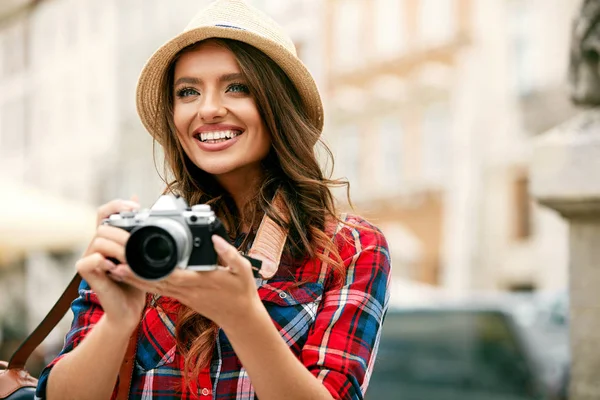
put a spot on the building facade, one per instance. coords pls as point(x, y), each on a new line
point(431, 108)
point(430, 105)
point(68, 123)
point(391, 86)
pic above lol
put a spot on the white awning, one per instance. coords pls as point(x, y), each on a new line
point(31, 219)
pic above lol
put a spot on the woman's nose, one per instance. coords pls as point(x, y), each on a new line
point(211, 107)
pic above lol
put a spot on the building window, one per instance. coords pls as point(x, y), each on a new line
point(390, 172)
point(14, 50)
point(13, 136)
point(390, 32)
point(520, 22)
point(347, 33)
point(437, 21)
point(71, 26)
point(96, 15)
point(348, 157)
point(522, 208)
point(435, 134)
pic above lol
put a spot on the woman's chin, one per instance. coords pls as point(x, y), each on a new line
point(216, 168)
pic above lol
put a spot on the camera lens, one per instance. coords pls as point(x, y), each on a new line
point(151, 252)
point(157, 250)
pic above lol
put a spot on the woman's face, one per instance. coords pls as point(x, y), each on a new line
point(217, 120)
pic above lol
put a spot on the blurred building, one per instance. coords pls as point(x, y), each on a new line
point(68, 127)
point(430, 106)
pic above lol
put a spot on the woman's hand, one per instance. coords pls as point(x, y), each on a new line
point(121, 303)
point(226, 295)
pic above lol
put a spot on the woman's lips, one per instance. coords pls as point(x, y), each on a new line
point(207, 146)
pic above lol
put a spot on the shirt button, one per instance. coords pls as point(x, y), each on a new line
point(205, 392)
point(282, 295)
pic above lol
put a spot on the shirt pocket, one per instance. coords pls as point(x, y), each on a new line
point(293, 309)
point(156, 344)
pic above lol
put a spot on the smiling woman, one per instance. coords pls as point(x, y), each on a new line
point(216, 118)
point(238, 116)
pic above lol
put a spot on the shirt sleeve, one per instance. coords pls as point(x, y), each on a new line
point(86, 313)
point(342, 344)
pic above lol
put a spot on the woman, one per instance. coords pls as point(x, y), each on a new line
point(238, 115)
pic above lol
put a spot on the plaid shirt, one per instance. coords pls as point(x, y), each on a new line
point(334, 331)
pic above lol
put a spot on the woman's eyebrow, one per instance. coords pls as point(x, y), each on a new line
point(195, 81)
point(236, 76)
point(188, 80)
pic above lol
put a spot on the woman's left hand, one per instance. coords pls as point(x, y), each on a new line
point(226, 295)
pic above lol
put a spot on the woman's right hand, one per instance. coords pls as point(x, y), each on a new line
point(122, 304)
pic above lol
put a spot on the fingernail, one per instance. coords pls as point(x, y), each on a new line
point(219, 243)
point(110, 265)
point(115, 277)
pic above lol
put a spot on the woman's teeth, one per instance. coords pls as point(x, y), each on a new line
point(217, 137)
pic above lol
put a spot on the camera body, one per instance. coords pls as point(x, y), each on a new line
point(169, 235)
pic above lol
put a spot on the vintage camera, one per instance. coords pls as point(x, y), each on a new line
point(168, 235)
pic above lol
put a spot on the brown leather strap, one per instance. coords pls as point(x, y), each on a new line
point(56, 313)
point(126, 371)
point(270, 240)
point(60, 308)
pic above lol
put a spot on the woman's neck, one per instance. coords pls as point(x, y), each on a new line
point(241, 192)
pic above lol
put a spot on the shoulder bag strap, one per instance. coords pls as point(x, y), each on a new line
point(60, 308)
point(126, 370)
point(56, 313)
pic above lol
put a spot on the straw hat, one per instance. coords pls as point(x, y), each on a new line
point(228, 19)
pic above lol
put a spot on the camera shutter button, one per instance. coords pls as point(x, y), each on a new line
point(127, 214)
point(201, 208)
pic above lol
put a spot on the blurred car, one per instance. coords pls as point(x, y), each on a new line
point(500, 347)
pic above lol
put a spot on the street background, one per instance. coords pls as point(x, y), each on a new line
point(431, 107)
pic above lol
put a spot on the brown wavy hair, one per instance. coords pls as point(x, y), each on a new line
point(291, 167)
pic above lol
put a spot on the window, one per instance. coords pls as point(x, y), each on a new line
point(437, 21)
point(13, 135)
point(522, 208)
point(71, 26)
point(523, 51)
point(13, 50)
point(389, 174)
point(347, 33)
point(436, 131)
point(349, 154)
point(96, 13)
point(389, 26)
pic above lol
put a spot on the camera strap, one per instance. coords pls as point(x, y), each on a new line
point(56, 313)
point(270, 240)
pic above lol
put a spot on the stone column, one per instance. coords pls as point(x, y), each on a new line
point(565, 176)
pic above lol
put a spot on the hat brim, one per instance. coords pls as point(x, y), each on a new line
point(150, 83)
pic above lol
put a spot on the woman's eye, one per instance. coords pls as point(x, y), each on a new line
point(185, 92)
point(238, 88)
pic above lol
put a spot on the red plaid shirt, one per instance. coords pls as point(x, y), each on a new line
point(334, 331)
